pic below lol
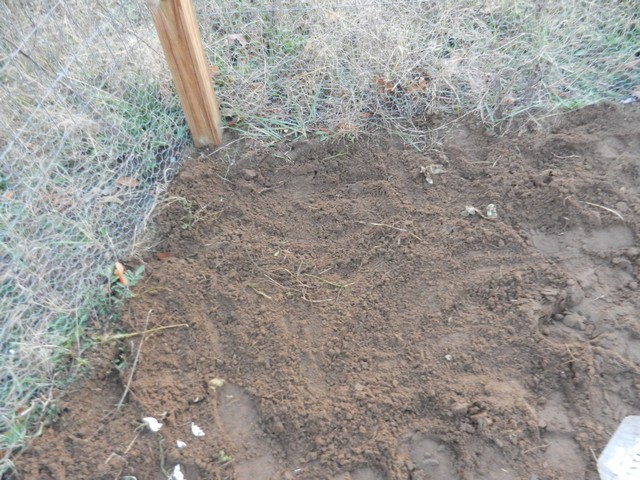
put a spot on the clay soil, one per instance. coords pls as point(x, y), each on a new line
point(366, 327)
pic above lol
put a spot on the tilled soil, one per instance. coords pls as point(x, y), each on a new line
point(366, 326)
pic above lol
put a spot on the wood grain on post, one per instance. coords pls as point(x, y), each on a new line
point(175, 21)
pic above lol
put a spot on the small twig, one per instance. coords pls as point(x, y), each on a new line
point(264, 271)
point(115, 455)
point(163, 457)
point(393, 269)
point(266, 189)
point(275, 282)
point(261, 293)
point(123, 336)
point(304, 297)
point(225, 179)
point(392, 227)
point(133, 367)
point(610, 210)
point(574, 359)
point(339, 154)
point(298, 272)
point(154, 290)
point(296, 277)
point(328, 282)
point(537, 447)
point(131, 443)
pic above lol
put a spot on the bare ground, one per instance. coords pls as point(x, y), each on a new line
point(365, 328)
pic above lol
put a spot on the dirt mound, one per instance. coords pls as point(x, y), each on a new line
point(369, 324)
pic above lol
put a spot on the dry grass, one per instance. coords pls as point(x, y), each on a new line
point(394, 65)
point(85, 100)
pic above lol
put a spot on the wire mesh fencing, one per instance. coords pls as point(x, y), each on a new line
point(91, 130)
point(347, 68)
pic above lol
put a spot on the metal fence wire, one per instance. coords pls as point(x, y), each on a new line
point(91, 130)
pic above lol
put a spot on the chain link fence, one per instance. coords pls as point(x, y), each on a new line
point(91, 130)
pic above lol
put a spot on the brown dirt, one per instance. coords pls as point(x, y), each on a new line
point(365, 328)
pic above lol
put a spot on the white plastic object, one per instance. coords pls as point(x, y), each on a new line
point(152, 424)
point(196, 430)
point(491, 211)
point(620, 460)
point(177, 473)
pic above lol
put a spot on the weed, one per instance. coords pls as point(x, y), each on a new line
point(224, 458)
point(110, 297)
point(193, 215)
point(120, 361)
point(163, 457)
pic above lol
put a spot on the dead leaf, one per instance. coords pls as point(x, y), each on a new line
point(60, 202)
point(430, 170)
point(214, 71)
point(9, 195)
point(389, 87)
point(551, 292)
point(365, 115)
point(508, 100)
point(128, 182)
point(386, 87)
point(237, 37)
point(419, 86)
point(164, 255)
point(119, 272)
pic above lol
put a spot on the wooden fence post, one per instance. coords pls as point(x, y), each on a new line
point(177, 27)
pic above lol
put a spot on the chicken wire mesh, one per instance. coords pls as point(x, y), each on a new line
point(91, 132)
point(342, 69)
point(91, 129)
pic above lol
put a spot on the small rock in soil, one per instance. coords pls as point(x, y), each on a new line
point(249, 174)
point(575, 296)
point(574, 320)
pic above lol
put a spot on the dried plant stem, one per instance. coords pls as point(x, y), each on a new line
point(135, 364)
point(124, 336)
point(610, 210)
